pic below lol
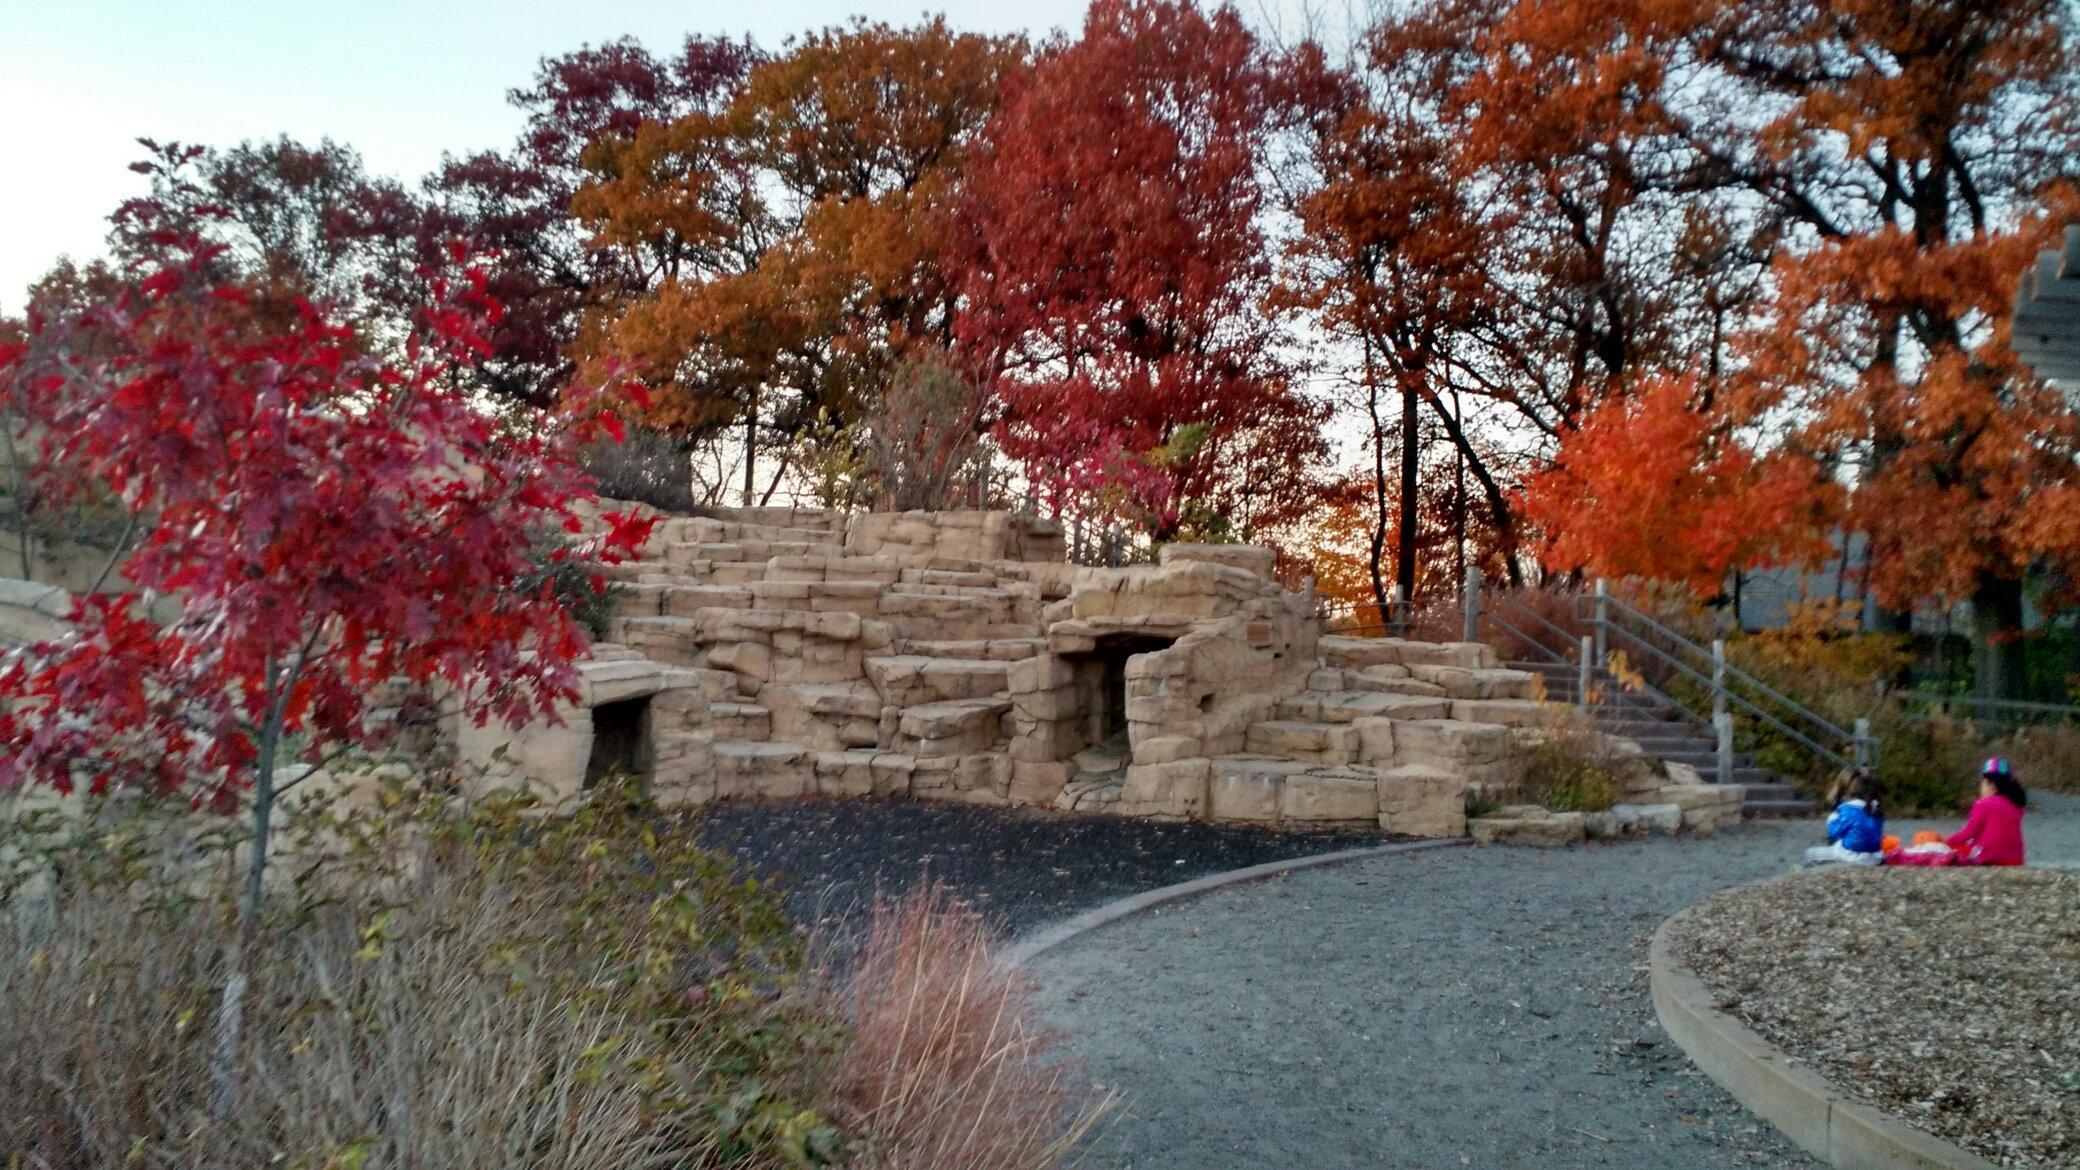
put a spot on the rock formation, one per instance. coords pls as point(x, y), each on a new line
point(957, 656)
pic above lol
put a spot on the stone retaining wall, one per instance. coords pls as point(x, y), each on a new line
point(956, 656)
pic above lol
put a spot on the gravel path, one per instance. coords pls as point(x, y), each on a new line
point(1465, 1007)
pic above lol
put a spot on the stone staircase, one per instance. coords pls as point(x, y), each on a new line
point(1667, 735)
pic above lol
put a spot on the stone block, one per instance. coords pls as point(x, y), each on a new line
point(1646, 818)
point(907, 680)
point(1037, 782)
point(1164, 749)
point(845, 773)
point(1041, 672)
point(955, 727)
point(1528, 825)
point(1331, 795)
point(762, 771)
point(1422, 802)
point(751, 661)
point(1173, 791)
point(1247, 788)
point(1449, 743)
point(893, 773)
point(1323, 743)
point(1375, 739)
point(1253, 559)
point(1507, 712)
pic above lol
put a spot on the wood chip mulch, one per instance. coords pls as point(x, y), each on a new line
point(1949, 998)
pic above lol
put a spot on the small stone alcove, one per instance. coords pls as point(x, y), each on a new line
point(1101, 683)
point(620, 742)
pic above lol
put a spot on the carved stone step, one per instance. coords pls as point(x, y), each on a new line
point(1319, 743)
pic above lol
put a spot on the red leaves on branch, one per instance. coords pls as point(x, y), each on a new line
point(320, 523)
point(1115, 269)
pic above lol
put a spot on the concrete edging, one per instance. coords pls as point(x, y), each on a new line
point(1815, 1115)
point(1034, 945)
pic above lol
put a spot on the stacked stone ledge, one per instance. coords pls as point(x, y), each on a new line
point(770, 653)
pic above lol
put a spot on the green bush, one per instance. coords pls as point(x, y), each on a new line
point(1572, 768)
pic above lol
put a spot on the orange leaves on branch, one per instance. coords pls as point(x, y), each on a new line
point(1649, 486)
point(803, 218)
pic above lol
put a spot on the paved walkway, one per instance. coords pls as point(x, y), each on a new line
point(1462, 1007)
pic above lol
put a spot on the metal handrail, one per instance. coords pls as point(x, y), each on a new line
point(1730, 669)
point(1525, 638)
point(1566, 639)
point(1731, 695)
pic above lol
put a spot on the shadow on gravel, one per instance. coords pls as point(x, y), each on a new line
point(1020, 867)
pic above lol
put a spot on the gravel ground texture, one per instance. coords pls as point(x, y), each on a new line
point(1947, 997)
point(1464, 1007)
point(1021, 867)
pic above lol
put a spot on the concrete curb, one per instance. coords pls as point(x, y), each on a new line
point(1811, 1112)
point(1039, 943)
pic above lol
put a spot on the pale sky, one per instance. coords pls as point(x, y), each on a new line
point(81, 80)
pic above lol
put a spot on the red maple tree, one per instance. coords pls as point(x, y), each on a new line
point(1113, 270)
point(1648, 485)
point(321, 523)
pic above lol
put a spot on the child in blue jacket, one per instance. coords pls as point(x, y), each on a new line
point(1856, 831)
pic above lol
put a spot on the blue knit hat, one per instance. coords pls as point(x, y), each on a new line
point(1996, 766)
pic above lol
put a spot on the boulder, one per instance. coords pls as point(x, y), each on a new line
point(1528, 825)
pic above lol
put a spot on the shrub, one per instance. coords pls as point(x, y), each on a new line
point(492, 987)
point(1572, 767)
point(488, 990)
point(2045, 756)
point(647, 467)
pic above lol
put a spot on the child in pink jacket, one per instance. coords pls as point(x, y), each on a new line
point(1992, 835)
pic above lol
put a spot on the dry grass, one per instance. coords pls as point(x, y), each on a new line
point(417, 1049)
point(947, 1063)
point(505, 991)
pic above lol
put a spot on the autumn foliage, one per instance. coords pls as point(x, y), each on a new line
point(325, 524)
point(1649, 486)
point(1114, 273)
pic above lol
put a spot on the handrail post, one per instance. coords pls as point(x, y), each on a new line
point(1861, 751)
point(1718, 678)
point(1473, 604)
point(1603, 593)
point(1723, 723)
point(1582, 673)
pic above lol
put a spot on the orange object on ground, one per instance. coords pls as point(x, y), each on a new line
point(1889, 845)
point(1927, 837)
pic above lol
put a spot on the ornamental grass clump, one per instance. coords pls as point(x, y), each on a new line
point(948, 1063)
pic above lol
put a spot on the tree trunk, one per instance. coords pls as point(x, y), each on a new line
point(1405, 544)
point(1498, 502)
point(750, 451)
point(1997, 650)
point(231, 1005)
point(1379, 488)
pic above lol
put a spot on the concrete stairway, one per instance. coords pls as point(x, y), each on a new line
point(1667, 735)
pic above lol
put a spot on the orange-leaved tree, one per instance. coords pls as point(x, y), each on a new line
point(1917, 153)
point(807, 209)
point(1649, 485)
